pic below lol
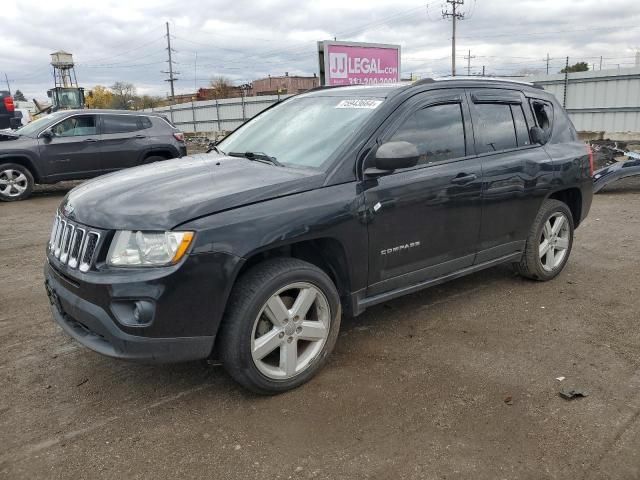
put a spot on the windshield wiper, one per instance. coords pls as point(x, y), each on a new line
point(214, 148)
point(256, 156)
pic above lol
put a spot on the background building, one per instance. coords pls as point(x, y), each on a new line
point(284, 85)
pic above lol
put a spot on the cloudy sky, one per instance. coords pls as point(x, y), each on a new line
point(124, 40)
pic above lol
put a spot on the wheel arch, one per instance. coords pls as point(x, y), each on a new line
point(572, 197)
point(326, 253)
point(25, 162)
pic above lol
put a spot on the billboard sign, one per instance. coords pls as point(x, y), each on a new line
point(357, 63)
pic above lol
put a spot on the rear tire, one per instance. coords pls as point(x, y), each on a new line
point(549, 242)
point(16, 182)
point(281, 324)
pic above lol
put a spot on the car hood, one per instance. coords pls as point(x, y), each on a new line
point(162, 195)
point(7, 135)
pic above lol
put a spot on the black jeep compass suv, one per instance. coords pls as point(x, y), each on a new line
point(323, 205)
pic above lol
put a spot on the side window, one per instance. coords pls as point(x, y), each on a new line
point(145, 122)
point(437, 132)
point(76, 126)
point(119, 123)
point(543, 113)
point(495, 127)
point(522, 132)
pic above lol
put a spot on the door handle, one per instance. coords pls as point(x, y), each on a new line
point(90, 140)
point(464, 178)
point(140, 136)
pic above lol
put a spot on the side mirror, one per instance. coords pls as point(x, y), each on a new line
point(537, 135)
point(47, 134)
point(394, 155)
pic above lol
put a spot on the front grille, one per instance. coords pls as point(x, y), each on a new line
point(73, 244)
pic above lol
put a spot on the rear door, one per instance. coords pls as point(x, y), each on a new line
point(124, 139)
point(74, 149)
point(425, 220)
point(516, 173)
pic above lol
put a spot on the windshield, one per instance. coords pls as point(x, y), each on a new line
point(31, 129)
point(303, 131)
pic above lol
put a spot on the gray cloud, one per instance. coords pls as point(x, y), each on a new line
point(116, 40)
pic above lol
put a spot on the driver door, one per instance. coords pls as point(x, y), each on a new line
point(73, 151)
point(425, 220)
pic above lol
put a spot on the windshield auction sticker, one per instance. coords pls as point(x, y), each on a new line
point(359, 103)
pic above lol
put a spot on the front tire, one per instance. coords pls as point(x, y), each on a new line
point(549, 242)
point(280, 326)
point(16, 182)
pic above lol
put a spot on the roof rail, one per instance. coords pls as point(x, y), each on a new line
point(489, 79)
point(424, 81)
point(327, 87)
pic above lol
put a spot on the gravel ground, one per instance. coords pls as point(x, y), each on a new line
point(458, 381)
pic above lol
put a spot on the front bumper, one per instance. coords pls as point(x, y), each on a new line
point(183, 327)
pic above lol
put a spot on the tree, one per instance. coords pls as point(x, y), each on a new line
point(578, 67)
point(123, 95)
point(19, 96)
point(222, 87)
point(99, 97)
point(150, 101)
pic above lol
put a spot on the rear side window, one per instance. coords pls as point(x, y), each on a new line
point(437, 131)
point(119, 123)
point(495, 126)
point(543, 113)
point(145, 122)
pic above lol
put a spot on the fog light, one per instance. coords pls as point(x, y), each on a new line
point(143, 312)
point(134, 313)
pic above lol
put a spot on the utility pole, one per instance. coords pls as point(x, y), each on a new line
point(171, 73)
point(566, 84)
point(468, 59)
point(483, 70)
point(548, 64)
point(8, 85)
point(455, 16)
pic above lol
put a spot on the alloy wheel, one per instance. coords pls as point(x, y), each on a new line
point(290, 331)
point(13, 183)
point(554, 241)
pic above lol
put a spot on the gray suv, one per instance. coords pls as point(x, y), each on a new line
point(79, 144)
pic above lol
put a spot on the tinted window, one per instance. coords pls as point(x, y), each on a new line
point(145, 122)
point(522, 132)
point(495, 127)
point(437, 132)
point(76, 126)
point(119, 123)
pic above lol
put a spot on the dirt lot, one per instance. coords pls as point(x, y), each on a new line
point(415, 389)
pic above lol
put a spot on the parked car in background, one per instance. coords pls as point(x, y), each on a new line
point(78, 144)
point(8, 117)
point(331, 201)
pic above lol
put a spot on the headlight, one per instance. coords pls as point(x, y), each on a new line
point(147, 249)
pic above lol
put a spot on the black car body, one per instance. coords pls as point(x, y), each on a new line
point(375, 231)
point(78, 144)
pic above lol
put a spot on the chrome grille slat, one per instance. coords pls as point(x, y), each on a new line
point(76, 245)
point(73, 244)
point(69, 232)
point(54, 229)
point(60, 239)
